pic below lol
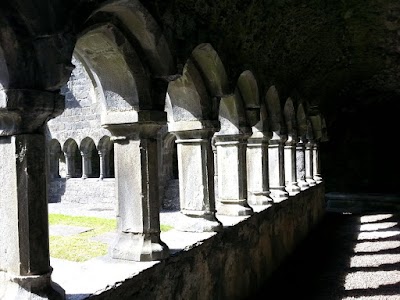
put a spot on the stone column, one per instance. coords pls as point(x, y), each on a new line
point(291, 184)
point(309, 163)
point(214, 150)
point(301, 165)
point(103, 164)
point(137, 193)
point(24, 232)
point(196, 181)
point(69, 165)
point(316, 164)
point(257, 170)
point(276, 169)
point(86, 164)
point(232, 175)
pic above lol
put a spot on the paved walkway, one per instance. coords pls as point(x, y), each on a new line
point(350, 256)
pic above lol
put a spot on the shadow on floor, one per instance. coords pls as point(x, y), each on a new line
point(348, 256)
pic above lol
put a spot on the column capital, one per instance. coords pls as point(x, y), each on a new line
point(147, 125)
point(26, 111)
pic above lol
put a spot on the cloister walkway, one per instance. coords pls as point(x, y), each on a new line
point(349, 256)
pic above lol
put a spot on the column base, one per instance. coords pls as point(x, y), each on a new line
point(317, 179)
point(198, 223)
point(39, 287)
point(234, 208)
point(311, 182)
point(293, 189)
point(279, 194)
point(139, 247)
point(303, 185)
point(260, 198)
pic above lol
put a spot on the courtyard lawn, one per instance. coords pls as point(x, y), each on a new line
point(80, 247)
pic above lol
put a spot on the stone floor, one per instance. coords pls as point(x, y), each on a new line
point(350, 256)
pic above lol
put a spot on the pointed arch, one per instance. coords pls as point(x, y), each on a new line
point(301, 121)
point(290, 116)
point(274, 109)
point(248, 89)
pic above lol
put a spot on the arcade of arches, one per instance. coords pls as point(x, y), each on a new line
point(254, 108)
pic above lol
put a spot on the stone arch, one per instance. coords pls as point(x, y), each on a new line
point(170, 173)
point(232, 115)
point(316, 123)
point(90, 158)
point(262, 126)
point(144, 30)
point(274, 109)
point(248, 89)
point(290, 117)
point(55, 156)
point(195, 95)
point(138, 39)
point(119, 81)
point(73, 159)
point(212, 69)
point(106, 152)
point(301, 121)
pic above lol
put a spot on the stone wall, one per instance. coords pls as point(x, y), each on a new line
point(232, 264)
point(89, 191)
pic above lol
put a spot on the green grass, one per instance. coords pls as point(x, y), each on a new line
point(79, 247)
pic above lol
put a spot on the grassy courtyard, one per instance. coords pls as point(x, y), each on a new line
point(80, 247)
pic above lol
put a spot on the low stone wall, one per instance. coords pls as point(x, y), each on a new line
point(232, 264)
point(86, 191)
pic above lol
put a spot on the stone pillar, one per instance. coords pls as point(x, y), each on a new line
point(316, 164)
point(24, 232)
point(103, 164)
point(196, 181)
point(257, 170)
point(276, 169)
point(291, 184)
point(232, 175)
point(214, 150)
point(137, 193)
point(86, 164)
point(309, 163)
point(69, 165)
point(301, 165)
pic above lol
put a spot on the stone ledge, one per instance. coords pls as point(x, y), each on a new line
point(225, 265)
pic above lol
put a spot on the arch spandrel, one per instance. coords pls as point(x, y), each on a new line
point(212, 69)
point(290, 116)
point(248, 88)
point(140, 23)
point(274, 109)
